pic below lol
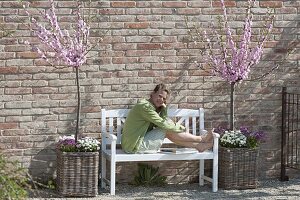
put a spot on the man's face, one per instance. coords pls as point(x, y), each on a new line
point(159, 98)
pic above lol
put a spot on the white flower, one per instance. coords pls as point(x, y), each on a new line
point(88, 144)
point(233, 139)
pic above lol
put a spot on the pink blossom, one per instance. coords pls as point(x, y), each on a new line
point(69, 50)
point(233, 61)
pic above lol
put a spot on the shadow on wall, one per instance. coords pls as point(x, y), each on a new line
point(265, 95)
point(183, 84)
point(43, 165)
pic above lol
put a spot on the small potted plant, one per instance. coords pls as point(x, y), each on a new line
point(238, 157)
point(77, 166)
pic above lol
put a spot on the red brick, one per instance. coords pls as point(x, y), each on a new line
point(140, 25)
point(294, 57)
point(8, 41)
point(41, 62)
point(150, 73)
point(39, 4)
point(8, 126)
point(227, 3)
point(23, 145)
point(162, 11)
point(90, 109)
point(137, 53)
point(17, 90)
point(15, 132)
point(68, 4)
point(122, 46)
point(173, 73)
point(286, 10)
point(7, 12)
point(125, 74)
point(63, 110)
point(149, 46)
point(113, 39)
point(199, 72)
point(108, 54)
point(270, 44)
point(30, 69)
point(9, 27)
point(172, 39)
point(124, 60)
point(163, 52)
point(28, 54)
point(101, 75)
point(271, 4)
point(165, 79)
point(199, 4)
point(173, 46)
point(111, 11)
point(12, 4)
point(149, 4)
point(13, 152)
point(8, 70)
point(122, 4)
point(212, 11)
point(188, 11)
point(174, 4)
point(15, 48)
point(44, 90)
point(164, 66)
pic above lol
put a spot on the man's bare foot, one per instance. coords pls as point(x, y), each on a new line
point(208, 137)
point(203, 146)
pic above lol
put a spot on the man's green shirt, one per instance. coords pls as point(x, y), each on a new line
point(141, 118)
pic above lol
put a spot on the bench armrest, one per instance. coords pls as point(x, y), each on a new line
point(110, 137)
point(216, 142)
point(216, 135)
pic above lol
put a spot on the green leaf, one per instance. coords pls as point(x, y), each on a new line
point(148, 176)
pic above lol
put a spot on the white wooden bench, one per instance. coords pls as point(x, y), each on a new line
point(193, 120)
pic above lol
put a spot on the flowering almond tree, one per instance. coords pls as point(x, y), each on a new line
point(228, 59)
point(62, 47)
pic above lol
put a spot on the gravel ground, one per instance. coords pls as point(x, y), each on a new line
point(270, 189)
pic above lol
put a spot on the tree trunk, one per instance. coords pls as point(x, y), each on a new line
point(232, 87)
point(78, 104)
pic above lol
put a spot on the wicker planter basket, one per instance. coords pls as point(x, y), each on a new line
point(238, 168)
point(77, 173)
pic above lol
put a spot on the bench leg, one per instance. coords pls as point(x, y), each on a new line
point(201, 172)
point(103, 171)
point(112, 177)
point(215, 175)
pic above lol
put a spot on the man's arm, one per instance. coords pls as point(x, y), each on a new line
point(160, 121)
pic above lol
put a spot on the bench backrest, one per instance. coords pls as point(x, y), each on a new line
point(113, 120)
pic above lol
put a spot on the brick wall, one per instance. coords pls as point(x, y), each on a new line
point(143, 45)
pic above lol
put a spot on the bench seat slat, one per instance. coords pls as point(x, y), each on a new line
point(121, 156)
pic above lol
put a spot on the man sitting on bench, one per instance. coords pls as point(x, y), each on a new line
point(147, 125)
